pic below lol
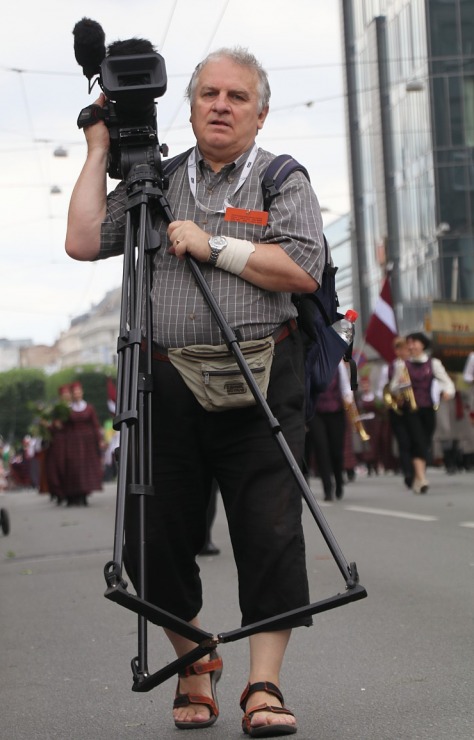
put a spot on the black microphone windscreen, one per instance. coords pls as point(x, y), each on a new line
point(89, 46)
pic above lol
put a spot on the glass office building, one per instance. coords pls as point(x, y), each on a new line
point(338, 234)
point(410, 111)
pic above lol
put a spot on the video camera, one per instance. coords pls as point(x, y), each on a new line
point(131, 74)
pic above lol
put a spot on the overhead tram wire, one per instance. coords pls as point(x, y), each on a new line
point(307, 104)
point(206, 51)
point(413, 60)
point(30, 125)
point(167, 27)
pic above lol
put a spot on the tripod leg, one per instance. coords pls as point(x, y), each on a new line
point(134, 470)
point(144, 451)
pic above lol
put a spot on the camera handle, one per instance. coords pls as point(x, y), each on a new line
point(134, 421)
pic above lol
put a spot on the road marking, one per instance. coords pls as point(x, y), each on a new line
point(55, 556)
point(467, 524)
point(389, 512)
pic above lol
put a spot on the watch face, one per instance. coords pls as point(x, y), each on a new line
point(218, 242)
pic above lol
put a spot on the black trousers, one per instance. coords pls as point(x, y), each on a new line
point(263, 504)
point(418, 428)
point(402, 436)
point(326, 441)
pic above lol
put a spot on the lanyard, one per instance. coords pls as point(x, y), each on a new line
point(245, 173)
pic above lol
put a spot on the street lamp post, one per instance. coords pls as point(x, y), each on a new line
point(358, 239)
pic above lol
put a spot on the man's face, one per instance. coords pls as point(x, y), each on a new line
point(225, 110)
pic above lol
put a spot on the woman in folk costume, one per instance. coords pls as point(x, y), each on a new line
point(84, 464)
point(395, 389)
point(56, 451)
point(423, 371)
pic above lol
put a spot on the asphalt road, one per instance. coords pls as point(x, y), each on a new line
point(398, 665)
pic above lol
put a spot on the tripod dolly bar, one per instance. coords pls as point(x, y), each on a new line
point(133, 420)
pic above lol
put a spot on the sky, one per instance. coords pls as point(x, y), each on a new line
point(43, 90)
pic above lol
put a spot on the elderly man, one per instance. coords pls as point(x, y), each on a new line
point(253, 262)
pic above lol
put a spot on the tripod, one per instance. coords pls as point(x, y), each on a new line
point(133, 420)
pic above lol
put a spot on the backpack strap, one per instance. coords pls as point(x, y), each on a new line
point(168, 166)
point(275, 175)
point(329, 274)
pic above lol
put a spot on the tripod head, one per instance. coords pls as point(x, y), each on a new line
point(131, 74)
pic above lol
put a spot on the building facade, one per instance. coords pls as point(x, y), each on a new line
point(91, 339)
point(410, 113)
point(10, 352)
point(339, 236)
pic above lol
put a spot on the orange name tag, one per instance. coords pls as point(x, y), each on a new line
point(245, 216)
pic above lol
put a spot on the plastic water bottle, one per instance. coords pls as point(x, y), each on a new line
point(345, 326)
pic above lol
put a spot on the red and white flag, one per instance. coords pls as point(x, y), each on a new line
point(382, 326)
point(111, 395)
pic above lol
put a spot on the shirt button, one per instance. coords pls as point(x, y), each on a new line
point(192, 316)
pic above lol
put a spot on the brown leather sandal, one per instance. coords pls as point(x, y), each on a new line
point(214, 667)
point(264, 730)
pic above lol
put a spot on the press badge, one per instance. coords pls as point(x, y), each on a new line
point(246, 216)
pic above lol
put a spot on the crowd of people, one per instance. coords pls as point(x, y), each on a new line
point(66, 458)
point(401, 419)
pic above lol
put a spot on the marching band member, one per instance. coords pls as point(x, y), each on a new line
point(325, 435)
point(421, 423)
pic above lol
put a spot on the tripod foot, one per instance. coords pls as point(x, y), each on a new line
point(113, 575)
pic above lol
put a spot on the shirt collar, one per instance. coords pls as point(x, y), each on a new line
point(421, 358)
point(239, 162)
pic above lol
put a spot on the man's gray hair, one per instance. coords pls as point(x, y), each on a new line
point(238, 55)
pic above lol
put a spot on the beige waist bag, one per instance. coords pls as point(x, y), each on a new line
point(214, 377)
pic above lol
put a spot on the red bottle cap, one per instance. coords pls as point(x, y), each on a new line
point(351, 315)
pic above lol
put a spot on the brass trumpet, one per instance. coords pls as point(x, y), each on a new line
point(356, 420)
point(403, 396)
point(389, 399)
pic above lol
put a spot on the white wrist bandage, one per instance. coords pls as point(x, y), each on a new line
point(235, 256)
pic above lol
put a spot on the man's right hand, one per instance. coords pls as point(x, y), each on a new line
point(87, 208)
point(97, 135)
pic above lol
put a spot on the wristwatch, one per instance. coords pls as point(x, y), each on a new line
point(217, 244)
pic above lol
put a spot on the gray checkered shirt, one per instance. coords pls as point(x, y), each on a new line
point(180, 314)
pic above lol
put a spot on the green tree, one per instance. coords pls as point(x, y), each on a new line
point(20, 389)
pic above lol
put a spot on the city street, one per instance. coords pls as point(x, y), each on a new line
point(398, 665)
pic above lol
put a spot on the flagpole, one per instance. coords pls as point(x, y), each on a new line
point(360, 351)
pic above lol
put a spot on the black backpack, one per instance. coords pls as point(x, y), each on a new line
point(324, 348)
